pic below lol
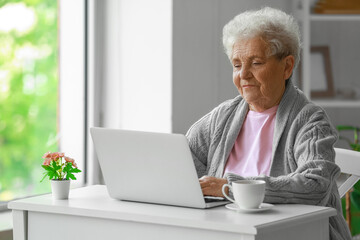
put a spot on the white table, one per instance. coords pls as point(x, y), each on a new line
point(91, 214)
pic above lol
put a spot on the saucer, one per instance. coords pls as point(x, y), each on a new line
point(263, 207)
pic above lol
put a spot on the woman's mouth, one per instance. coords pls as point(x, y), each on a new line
point(248, 86)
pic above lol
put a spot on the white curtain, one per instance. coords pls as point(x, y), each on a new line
point(129, 68)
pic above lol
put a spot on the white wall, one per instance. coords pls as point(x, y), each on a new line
point(136, 65)
point(145, 64)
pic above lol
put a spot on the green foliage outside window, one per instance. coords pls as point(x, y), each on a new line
point(28, 94)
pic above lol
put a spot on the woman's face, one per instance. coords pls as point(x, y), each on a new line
point(259, 78)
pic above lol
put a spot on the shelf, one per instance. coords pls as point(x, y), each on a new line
point(335, 17)
point(337, 103)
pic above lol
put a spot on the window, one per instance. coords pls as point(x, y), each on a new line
point(35, 114)
point(29, 94)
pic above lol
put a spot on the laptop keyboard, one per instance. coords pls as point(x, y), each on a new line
point(209, 199)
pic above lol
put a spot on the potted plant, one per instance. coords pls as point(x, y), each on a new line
point(60, 169)
point(352, 198)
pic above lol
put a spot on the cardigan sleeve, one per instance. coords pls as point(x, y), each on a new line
point(198, 137)
point(312, 154)
point(204, 136)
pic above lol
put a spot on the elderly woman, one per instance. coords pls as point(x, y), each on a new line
point(271, 131)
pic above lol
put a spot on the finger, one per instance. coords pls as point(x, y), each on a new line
point(203, 178)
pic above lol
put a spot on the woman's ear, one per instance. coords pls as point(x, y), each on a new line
point(289, 66)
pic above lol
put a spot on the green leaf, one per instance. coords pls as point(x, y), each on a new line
point(52, 170)
point(45, 175)
point(75, 170)
point(356, 136)
point(353, 144)
point(69, 169)
point(46, 167)
point(55, 166)
point(355, 147)
point(51, 175)
point(66, 168)
point(344, 127)
point(355, 198)
point(70, 175)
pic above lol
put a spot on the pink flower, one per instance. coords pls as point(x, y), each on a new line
point(47, 155)
point(68, 159)
point(56, 155)
point(47, 161)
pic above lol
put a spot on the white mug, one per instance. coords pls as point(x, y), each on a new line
point(248, 194)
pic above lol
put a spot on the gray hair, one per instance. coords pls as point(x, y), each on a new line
point(277, 28)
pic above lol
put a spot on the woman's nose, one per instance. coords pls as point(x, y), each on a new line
point(245, 72)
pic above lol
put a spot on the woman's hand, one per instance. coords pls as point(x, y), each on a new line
point(212, 186)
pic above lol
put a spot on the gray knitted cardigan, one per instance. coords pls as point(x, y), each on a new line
point(302, 169)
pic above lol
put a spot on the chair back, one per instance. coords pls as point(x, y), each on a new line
point(349, 163)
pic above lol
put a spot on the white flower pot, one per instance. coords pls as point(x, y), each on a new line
point(60, 189)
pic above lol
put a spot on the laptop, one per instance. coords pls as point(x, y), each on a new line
point(149, 167)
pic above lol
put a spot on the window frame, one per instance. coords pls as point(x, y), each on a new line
point(73, 83)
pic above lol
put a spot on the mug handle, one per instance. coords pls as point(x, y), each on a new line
point(224, 192)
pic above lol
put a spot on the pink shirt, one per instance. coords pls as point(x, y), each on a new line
point(251, 154)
